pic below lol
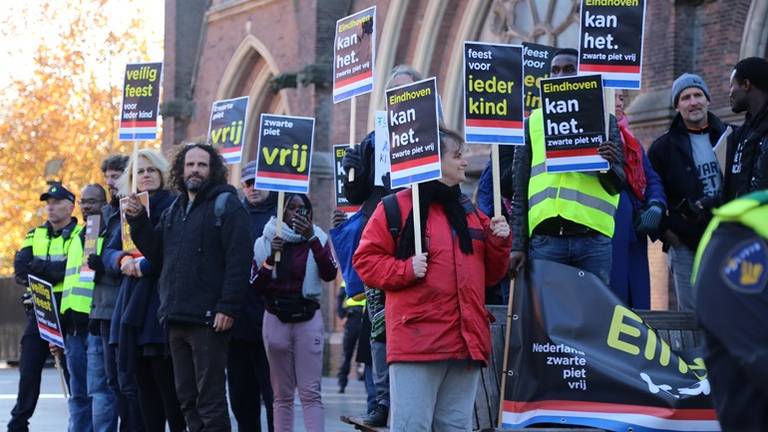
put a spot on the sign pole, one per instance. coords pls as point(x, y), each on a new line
point(496, 180)
point(280, 211)
point(609, 100)
point(352, 124)
point(57, 363)
point(505, 360)
point(135, 168)
point(416, 218)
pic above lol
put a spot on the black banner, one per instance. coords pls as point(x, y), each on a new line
point(46, 311)
point(141, 99)
point(284, 154)
point(578, 356)
point(339, 173)
point(536, 62)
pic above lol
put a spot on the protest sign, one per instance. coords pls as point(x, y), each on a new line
point(577, 356)
point(125, 230)
point(414, 141)
point(611, 41)
point(141, 101)
point(284, 154)
point(227, 128)
point(354, 55)
point(381, 146)
point(574, 123)
point(536, 62)
point(339, 173)
point(92, 228)
point(46, 311)
point(493, 93)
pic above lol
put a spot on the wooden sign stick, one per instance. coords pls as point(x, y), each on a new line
point(280, 211)
point(352, 124)
point(416, 218)
point(135, 168)
point(496, 171)
point(505, 361)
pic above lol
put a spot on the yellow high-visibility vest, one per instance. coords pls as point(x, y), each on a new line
point(77, 294)
point(50, 249)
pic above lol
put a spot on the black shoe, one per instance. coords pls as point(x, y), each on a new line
point(378, 417)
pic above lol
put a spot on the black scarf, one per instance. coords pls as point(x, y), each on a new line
point(450, 198)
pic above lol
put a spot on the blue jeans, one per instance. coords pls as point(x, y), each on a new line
point(79, 403)
point(380, 372)
point(591, 253)
point(103, 398)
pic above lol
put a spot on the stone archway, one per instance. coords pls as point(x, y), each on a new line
point(754, 42)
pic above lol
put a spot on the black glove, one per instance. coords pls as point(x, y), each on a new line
point(649, 220)
point(95, 263)
point(39, 267)
point(353, 160)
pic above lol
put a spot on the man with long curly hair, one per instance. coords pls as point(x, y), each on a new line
point(205, 261)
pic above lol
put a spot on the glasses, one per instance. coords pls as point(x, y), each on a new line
point(150, 170)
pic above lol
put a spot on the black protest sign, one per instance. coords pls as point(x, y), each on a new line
point(339, 174)
point(284, 154)
point(91, 246)
point(493, 93)
point(227, 127)
point(414, 139)
point(577, 356)
point(354, 50)
point(46, 311)
point(574, 123)
point(141, 101)
point(611, 41)
point(536, 61)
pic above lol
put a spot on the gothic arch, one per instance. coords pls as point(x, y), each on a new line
point(754, 42)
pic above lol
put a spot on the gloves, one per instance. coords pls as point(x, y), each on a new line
point(26, 300)
point(39, 267)
point(95, 263)
point(649, 219)
point(353, 160)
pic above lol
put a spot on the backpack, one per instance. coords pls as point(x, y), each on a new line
point(219, 206)
point(392, 212)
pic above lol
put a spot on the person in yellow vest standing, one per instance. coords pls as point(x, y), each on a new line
point(565, 217)
point(43, 254)
point(730, 279)
point(76, 301)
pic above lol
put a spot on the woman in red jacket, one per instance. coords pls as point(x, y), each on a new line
point(438, 334)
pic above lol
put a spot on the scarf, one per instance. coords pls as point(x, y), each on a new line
point(449, 198)
point(633, 160)
point(312, 285)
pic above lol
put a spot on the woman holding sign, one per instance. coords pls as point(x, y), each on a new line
point(145, 372)
point(293, 325)
point(437, 326)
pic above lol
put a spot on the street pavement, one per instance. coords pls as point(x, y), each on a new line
point(51, 412)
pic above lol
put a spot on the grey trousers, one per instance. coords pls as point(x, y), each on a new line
point(681, 264)
point(433, 396)
point(380, 372)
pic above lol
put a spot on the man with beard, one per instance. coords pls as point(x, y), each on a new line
point(205, 262)
point(747, 154)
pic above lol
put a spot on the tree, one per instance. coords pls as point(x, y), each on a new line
point(65, 110)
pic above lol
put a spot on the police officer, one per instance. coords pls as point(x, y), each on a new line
point(43, 254)
point(731, 282)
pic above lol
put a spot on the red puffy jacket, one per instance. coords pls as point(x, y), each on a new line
point(443, 315)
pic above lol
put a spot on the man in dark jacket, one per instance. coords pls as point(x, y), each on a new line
point(684, 159)
point(205, 261)
point(747, 155)
point(247, 365)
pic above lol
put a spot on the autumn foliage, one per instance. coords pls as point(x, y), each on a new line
point(65, 110)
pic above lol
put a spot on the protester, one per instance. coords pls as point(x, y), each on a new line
point(732, 304)
point(145, 373)
point(562, 217)
point(43, 254)
point(363, 190)
point(684, 159)
point(746, 167)
point(642, 204)
point(203, 258)
point(247, 365)
point(438, 331)
point(293, 324)
point(351, 311)
point(85, 413)
point(102, 378)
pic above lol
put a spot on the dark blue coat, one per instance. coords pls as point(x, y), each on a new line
point(630, 279)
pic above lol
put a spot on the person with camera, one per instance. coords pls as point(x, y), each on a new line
point(293, 324)
point(686, 162)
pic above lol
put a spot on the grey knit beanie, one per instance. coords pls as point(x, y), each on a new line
point(685, 81)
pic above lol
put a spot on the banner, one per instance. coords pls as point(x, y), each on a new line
point(227, 128)
point(493, 93)
point(125, 230)
point(284, 154)
point(339, 173)
point(141, 102)
point(354, 55)
point(536, 61)
point(92, 229)
point(577, 356)
point(46, 311)
point(611, 41)
point(381, 146)
point(574, 123)
point(414, 140)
